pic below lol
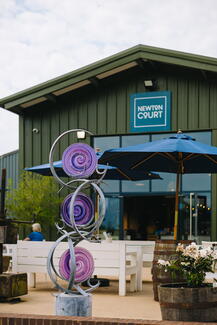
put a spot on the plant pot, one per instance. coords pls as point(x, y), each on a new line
point(165, 250)
point(181, 303)
point(6, 263)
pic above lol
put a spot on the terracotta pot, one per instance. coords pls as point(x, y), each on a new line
point(181, 303)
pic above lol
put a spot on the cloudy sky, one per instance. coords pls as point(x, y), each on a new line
point(42, 39)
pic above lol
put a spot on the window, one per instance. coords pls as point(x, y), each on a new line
point(189, 182)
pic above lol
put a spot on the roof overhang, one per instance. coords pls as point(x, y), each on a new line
point(102, 69)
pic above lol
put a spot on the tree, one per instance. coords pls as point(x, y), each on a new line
point(36, 196)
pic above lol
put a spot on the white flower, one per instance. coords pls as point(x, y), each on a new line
point(180, 248)
point(163, 262)
point(204, 252)
point(192, 251)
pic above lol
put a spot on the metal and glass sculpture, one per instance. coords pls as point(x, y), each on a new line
point(78, 213)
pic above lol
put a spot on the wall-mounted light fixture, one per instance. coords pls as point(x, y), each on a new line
point(81, 135)
point(150, 84)
point(97, 150)
point(35, 130)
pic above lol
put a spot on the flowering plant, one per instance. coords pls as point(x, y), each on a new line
point(192, 262)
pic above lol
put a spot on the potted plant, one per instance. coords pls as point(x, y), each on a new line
point(193, 300)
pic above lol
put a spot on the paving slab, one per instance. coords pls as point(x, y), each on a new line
point(106, 302)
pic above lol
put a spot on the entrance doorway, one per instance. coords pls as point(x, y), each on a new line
point(148, 217)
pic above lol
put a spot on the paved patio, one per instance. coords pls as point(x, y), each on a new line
point(106, 302)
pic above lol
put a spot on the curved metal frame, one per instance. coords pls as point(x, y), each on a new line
point(79, 232)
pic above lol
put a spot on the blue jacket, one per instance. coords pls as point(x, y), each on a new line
point(36, 236)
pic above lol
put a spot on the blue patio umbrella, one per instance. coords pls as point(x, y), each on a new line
point(178, 154)
point(112, 173)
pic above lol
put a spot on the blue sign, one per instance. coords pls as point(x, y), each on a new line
point(150, 111)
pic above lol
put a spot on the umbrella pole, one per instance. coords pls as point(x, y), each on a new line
point(176, 206)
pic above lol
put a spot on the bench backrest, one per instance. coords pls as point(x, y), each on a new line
point(8, 249)
point(209, 243)
point(32, 256)
point(146, 246)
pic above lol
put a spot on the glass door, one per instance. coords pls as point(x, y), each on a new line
point(195, 216)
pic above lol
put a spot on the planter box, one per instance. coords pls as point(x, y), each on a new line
point(181, 303)
point(13, 285)
point(6, 262)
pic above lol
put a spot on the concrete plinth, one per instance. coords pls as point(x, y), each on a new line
point(73, 305)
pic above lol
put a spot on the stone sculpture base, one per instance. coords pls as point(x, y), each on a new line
point(73, 305)
point(13, 285)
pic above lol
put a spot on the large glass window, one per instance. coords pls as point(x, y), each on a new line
point(139, 186)
point(190, 182)
point(195, 193)
point(109, 186)
point(195, 182)
point(160, 136)
point(105, 143)
point(129, 140)
point(168, 181)
point(101, 144)
point(111, 222)
point(166, 184)
point(135, 186)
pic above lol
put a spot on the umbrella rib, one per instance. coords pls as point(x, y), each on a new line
point(142, 161)
point(164, 154)
point(125, 175)
point(210, 158)
point(191, 155)
point(169, 155)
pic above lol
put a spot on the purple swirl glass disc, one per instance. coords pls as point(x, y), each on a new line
point(83, 209)
point(84, 265)
point(79, 160)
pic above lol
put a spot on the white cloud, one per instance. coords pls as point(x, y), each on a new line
point(40, 40)
point(8, 132)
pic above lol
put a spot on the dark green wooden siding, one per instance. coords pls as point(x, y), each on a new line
point(106, 111)
point(10, 162)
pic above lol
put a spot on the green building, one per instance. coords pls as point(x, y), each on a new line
point(9, 161)
point(141, 94)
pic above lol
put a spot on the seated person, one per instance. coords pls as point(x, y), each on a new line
point(36, 234)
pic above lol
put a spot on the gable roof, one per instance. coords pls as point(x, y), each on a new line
point(101, 69)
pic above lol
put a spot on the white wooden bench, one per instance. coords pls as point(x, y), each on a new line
point(8, 250)
point(111, 259)
point(145, 255)
point(211, 277)
point(143, 249)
